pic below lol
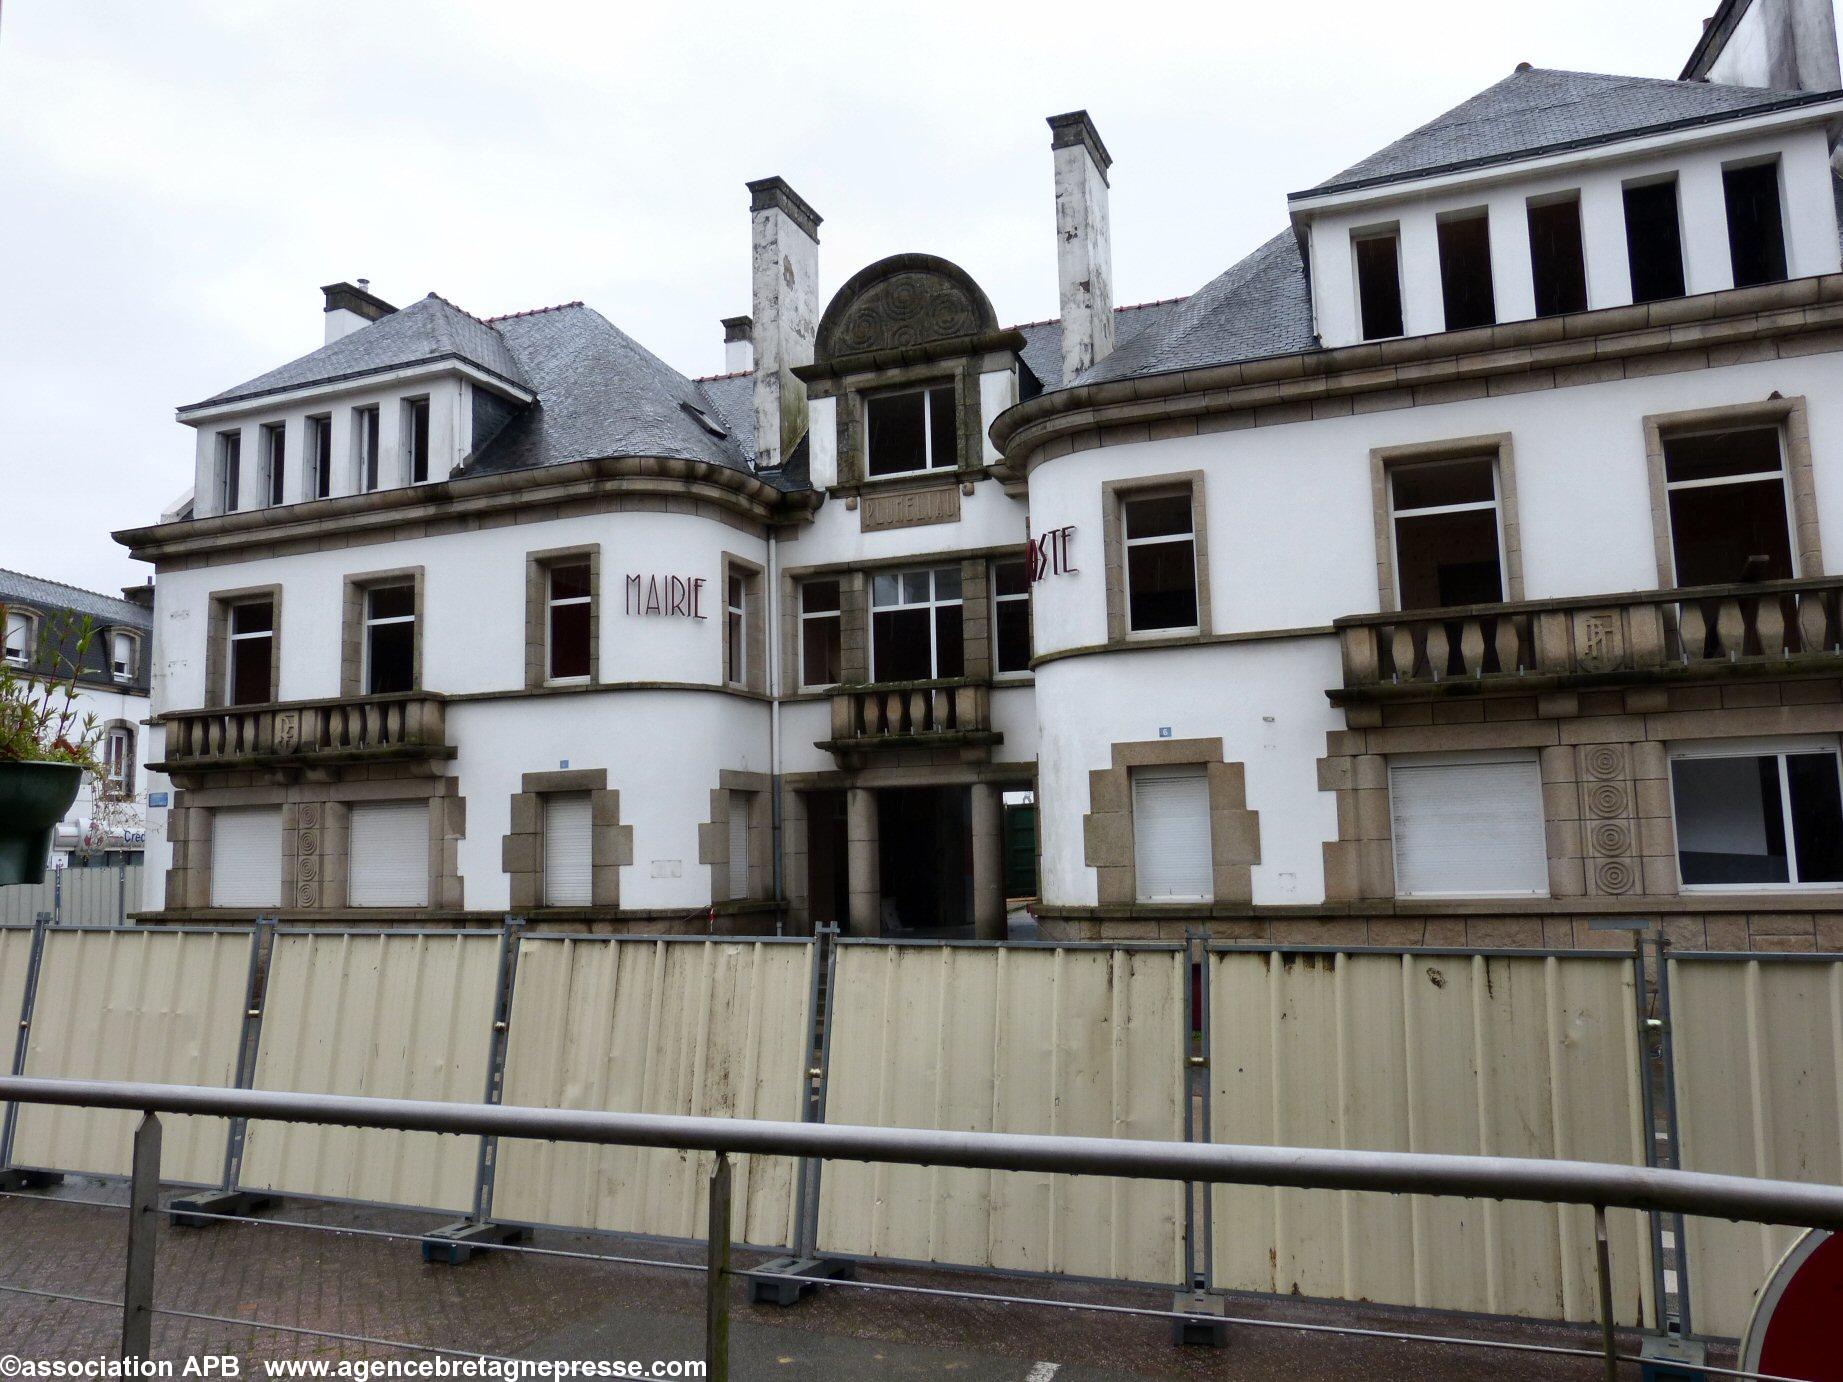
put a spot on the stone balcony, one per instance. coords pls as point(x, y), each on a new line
point(952, 716)
point(1769, 628)
point(307, 735)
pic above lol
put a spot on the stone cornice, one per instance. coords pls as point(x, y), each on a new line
point(415, 510)
point(1803, 316)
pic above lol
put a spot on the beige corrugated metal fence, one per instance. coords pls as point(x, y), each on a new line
point(1086, 1042)
point(715, 1028)
point(100, 896)
point(1427, 1053)
point(1759, 1057)
point(134, 1004)
point(405, 1015)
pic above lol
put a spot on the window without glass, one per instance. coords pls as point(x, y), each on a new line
point(416, 438)
point(274, 462)
point(1465, 270)
point(1728, 516)
point(1470, 828)
point(568, 855)
point(1756, 230)
point(1654, 241)
point(1011, 615)
point(18, 637)
point(121, 656)
point(230, 464)
point(916, 625)
point(1445, 517)
point(390, 639)
point(365, 447)
point(1379, 283)
point(1558, 258)
point(320, 456)
point(736, 628)
point(1171, 838)
point(251, 660)
point(1161, 562)
point(118, 760)
point(821, 634)
point(1747, 820)
point(568, 634)
point(910, 431)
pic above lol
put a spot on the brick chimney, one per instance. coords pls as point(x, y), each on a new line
point(738, 345)
point(349, 307)
point(784, 259)
point(1084, 244)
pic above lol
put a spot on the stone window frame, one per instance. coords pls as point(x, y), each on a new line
point(137, 644)
point(611, 844)
point(1107, 828)
point(1498, 446)
point(714, 834)
point(217, 640)
point(35, 623)
point(754, 623)
point(352, 626)
point(129, 767)
point(538, 566)
point(1114, 494)
point(853, 433)
point(1791, 417)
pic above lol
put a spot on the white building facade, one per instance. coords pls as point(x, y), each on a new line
point(1448, 570)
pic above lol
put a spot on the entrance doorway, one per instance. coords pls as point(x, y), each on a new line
point(925, 848)
point(827, 848)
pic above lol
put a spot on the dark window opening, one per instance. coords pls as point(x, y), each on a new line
point(230, 464)
point(1161, 563)
point(1379, 286)
point(1011, 598)
point(1756, 229)
point(252, 651)
point(910, 431)
point(821, 634)
point(390, 639)
point(917, 625)
point(1654, 241)
point(571, 606)
point(417, 439)
point(1728, 520)
point(1446, 533)
point(275, 440)
point(320, 447)
point(1465, 272)
point(1733, 815)
point(368, 449)
point(1558, 258)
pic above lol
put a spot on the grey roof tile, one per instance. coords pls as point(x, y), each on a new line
point(1541, 108)
point(432, 329)
point(18, 588)
point(732, 399)
point(1043, 340)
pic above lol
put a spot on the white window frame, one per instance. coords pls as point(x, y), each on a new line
point(367, 449)
point(1754, 748)
point(552, 604)
point(118, 768)
point(931, 458)
point(122, 667)
point(1128, 542)
point(232, 638)
point(230, 469)
point(1527, 758)
point(837, 614)
point(27, 623)
point(1495, 503)
point(1783, 474)
point(369, 622)
point(736, 625)
point(931, 604)
point(1021, 598)
point(274, 463)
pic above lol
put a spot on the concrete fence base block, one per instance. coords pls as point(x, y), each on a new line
point(202, 1211)
point(785, 1280)
point(452, 1244)
point(1203, 1324)
point(12, 1178)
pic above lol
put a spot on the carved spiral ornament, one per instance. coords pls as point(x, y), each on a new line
point(1611, 837)
point(1604, 761)
point(310, 814)
point(1615, 875)
point(1606, 800)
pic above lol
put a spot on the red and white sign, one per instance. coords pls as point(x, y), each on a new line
point(1794, 1329)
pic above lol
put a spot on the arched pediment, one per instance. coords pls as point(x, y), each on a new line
point(899, 303)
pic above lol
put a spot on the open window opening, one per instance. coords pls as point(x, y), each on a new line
point(1448, 535)
point(916, 625)
point(1011, 615)
point(416, 438)
point(1756, 226)
point(1654, 241)
point(1379, 282)
point(571, 602)
point(390, 639)
point(230, 467)
point(251, 660)
point(320, 456)
point(1161, 562)
point(910, 431)
point(822, 638)
point(1729, 519)
point(275, 462)
point(365, 447)
point(1558, 256)
point(1753, 819)
point(1465, 270)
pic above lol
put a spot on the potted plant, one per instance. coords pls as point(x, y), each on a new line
point(46, 745)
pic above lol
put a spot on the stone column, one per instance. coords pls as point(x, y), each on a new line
point(988, 863)
point(863, 868)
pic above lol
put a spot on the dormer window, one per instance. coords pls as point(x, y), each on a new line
point(1557, 255)
point(230, 464)
point(1654, 240)
point(275, 461)
point(319, 457)
point(416, 438)
point(121, 655)
point(365, 447)
point(19, 629)
point(911, 431)
point(1465, 270)
point(1756, 227)
point(1378, 255)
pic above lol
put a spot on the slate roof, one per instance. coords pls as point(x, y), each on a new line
point(1538, 109)
point(429, 330)
point(18, 588)
point(1043, 340)
point(600, 393)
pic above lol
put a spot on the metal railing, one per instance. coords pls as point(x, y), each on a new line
point(1597, 1185)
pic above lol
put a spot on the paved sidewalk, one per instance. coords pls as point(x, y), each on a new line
point(556, 1308)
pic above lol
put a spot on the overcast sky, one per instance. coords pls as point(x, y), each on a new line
point(177, 179)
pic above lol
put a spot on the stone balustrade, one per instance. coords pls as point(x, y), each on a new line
point(342, 729)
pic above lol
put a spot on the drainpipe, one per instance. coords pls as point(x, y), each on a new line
point(773, 631)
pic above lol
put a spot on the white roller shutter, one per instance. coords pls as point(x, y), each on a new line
point(739, 843)
point(246, 857)
point(389, 864)
point(1171, 856)
point(567, 857)
point(1468, 828)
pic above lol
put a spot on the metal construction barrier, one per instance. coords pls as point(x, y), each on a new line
point(704, 1028)
point(1418, 1051)
point(1758, 1067)
point(17, 965)
point(1058, 1040)
point(133, 1004)
point(396, 1014)
point(102, 895)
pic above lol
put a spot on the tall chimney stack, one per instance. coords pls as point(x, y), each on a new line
point(784, 258)
point(1084, 244)
point(349, 307)
point(738, 345)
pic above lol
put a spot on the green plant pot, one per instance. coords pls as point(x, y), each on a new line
point(33, 799)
